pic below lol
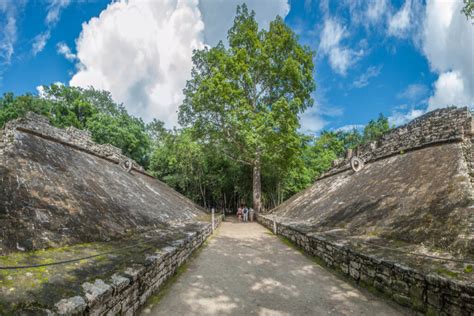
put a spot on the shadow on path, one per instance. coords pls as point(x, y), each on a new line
point(244, 270)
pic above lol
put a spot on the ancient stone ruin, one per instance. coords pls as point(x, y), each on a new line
point(66, 199)
point(403, 223)
point(85, 230)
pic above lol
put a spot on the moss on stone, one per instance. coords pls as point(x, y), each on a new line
point(468, 269)
point(447, 272)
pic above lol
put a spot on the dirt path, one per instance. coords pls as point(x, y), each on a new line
point(244, 270)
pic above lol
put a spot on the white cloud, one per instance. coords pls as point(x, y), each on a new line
point(376, 10)
point(218, 15)
point(141, 51)
point(363, 80)
point(41, 92)
point(52, 18)
point(414, 92)
point(311, 121)
point(448, 44)
point(340, 57)
point(64, 50)
point(54, 11)
point(8, 30)
point(350, 127)
point(40, 41)
point(450, 89)
point(399, 118)
point(403, 23)
point(368, 12)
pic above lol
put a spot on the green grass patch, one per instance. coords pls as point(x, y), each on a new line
point(468, 268)
point(446, 272)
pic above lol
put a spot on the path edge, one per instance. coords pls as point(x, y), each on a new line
point(427, 293)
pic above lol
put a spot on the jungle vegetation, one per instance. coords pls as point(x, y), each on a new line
point(239, 139)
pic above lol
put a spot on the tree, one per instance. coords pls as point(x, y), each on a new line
point(468, 9)
point(376, 128)
point(246, 98)
point(84, 109)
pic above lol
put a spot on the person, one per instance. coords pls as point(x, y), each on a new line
point(246, 214)
point(239, 212)
point(252, 213)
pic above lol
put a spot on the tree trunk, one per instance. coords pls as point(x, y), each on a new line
point(257, 186)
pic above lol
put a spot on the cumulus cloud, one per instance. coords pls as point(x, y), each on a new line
point(340, 57)
point(448, 44)
point(451, 89)
point(52, 18)
point(364, 79)
point(141, 51)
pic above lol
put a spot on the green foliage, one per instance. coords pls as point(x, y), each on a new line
point(84, 109)
point(468, 9)
point(376, 128)
point(240, 114)
point(245, 99)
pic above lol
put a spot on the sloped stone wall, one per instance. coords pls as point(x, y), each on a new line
point(72, 137)
point(126, 293)
point(430, 294)
point(439, 126)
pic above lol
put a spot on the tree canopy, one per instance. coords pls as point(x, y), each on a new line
point(246, 98)
point(89, 109)
point(239, 141)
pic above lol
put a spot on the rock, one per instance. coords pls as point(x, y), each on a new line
point(119, 282)
point(96, 292)
point(71, 306)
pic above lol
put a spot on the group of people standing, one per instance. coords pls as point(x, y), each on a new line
point(244, 213)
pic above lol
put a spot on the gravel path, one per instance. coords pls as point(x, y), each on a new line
point(244, 270)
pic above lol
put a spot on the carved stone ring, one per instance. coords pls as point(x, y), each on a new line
point(357, 164)
point(127, 165)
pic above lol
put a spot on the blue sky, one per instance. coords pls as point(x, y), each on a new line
point(400, 58)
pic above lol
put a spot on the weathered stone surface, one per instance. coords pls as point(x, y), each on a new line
point(96, 292)
point(58, 187)
point(71, 306)
point(421, 195)
point(414, 192)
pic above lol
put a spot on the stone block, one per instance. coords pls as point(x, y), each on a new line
point(354, 273)
point(96, 292)
point(402, 300)
point(434, 298)
point(119, 283)
point(71, 306)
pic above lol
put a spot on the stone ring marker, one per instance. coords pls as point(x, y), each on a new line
point(127, 165)
point(357, 164)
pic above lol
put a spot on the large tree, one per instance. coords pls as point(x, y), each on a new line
point(247, 97)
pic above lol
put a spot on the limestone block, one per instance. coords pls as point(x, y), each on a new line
point(71, 306)
point(96, 292)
